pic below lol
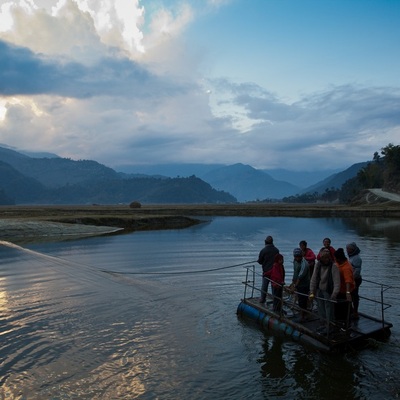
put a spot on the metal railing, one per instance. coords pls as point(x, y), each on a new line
point(289, 300)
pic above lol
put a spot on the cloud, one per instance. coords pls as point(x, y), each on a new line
point(80, 30)
point(120, 84)
point(339, 126)
point(22, 72)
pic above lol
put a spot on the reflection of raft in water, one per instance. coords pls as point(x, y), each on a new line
point(338, 337)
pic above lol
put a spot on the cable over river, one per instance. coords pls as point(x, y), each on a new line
point(152, 315)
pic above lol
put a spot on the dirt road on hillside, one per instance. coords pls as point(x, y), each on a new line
point(386, 195)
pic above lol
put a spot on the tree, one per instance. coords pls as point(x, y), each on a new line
point(391, 175)
point(383, 172)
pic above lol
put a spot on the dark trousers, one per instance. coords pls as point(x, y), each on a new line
point(277, 293)
point(354, 294)
point(342, 309)
point(302, 294)
point(264, 288)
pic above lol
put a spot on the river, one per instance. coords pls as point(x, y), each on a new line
point(152, 315)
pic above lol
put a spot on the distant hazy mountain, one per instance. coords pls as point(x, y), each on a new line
point(336, 180)
point(170, 170)
point(34, 154)
point(242, 181)
point(38, 154)
point(248, 184)
point(300, 179)
point(57, 180)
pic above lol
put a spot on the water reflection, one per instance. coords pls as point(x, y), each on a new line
point(375, 227)
point(69, 330)
point(289, 372)
point(273, 365)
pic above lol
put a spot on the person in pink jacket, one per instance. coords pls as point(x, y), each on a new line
point(327, 245)
point(309, 255)
point(277, 281)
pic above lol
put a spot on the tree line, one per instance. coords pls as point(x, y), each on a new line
point(383, 172)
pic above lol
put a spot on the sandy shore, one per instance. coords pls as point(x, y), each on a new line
point(47, 223)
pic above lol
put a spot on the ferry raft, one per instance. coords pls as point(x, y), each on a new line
point(354, 334)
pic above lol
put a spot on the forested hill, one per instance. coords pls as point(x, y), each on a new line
point(28, 180)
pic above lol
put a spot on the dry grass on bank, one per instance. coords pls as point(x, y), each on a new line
point(102, 212)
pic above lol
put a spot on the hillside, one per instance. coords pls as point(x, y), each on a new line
point(245, 189)
point(56, 172)
point(336, 180)
point(28, 180)
point(18, 188)
point(248, 184)
point(145, 190)
point(301, 179)
point(56, 180)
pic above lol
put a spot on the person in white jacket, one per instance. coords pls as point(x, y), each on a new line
point(325, 286)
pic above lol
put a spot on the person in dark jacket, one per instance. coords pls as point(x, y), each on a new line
point(301, 281)
point(266, 260)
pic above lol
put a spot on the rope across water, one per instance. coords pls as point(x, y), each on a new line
point(107, 271)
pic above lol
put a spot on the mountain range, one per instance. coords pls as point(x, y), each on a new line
point(45, 178)
point(249, 184)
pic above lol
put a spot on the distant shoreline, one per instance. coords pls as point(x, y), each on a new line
point(55, 222)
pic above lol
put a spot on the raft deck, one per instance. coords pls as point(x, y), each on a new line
point(287, 322)
point(338, 339)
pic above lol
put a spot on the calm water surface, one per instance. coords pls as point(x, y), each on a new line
point(152, 315)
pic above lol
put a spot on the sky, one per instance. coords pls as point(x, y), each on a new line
point(296, 84)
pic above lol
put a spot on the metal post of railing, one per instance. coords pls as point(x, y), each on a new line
point(382, 309)
point(254, 280)
point(348, 315)
point(246, 282)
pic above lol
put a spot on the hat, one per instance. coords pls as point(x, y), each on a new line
point(339, 254)
point(352, 249)
point(297, 252)
point(269, 240)
point(325, 252)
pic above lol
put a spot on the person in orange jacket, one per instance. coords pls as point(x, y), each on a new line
point(347, 285)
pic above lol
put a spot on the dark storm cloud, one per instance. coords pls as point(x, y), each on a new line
point(23, 72)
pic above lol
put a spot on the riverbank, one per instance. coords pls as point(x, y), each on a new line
point(22, 224)
point(32, 223)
